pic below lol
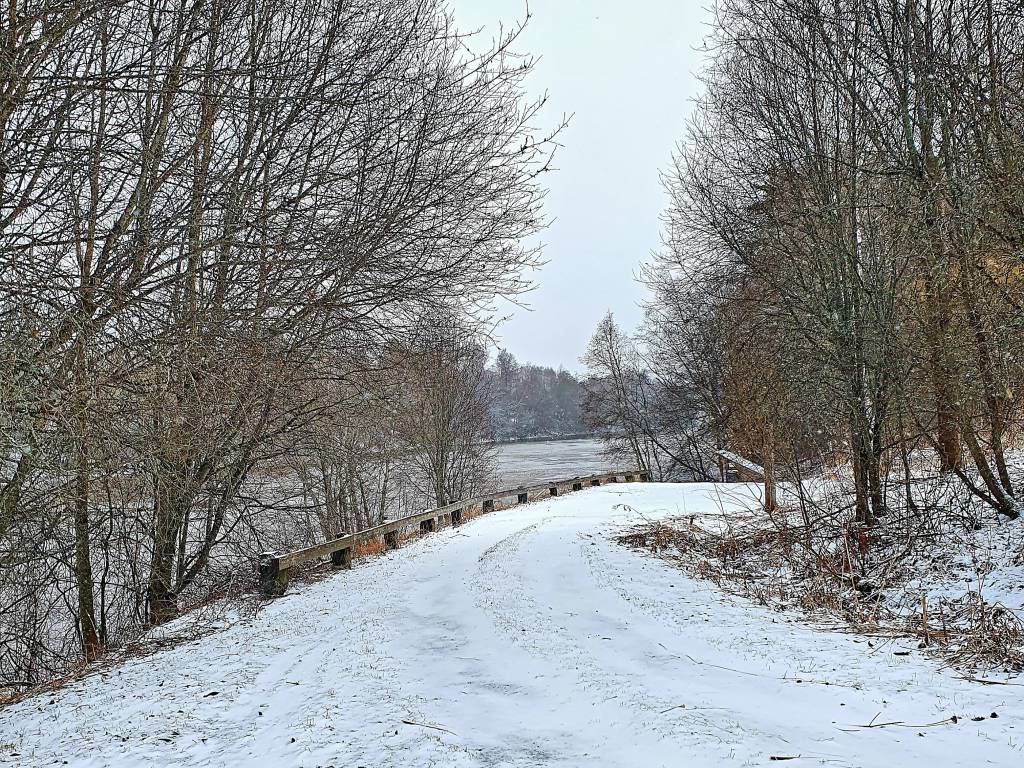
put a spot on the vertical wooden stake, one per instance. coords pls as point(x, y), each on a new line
point(924, 616)
point(341, 558)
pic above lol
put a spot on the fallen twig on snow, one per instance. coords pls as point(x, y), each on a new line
point(900, 724)
point(426, 725)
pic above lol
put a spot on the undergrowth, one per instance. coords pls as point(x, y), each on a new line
point(942, 575)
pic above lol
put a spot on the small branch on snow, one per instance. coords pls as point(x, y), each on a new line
point(990, 682)
point(900, 724)
point(854, 686)
point(693, 709)
point(424, 725)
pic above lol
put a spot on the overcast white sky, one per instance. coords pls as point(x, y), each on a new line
point(626, 70)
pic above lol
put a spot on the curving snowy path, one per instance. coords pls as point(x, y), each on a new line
point(523, 638)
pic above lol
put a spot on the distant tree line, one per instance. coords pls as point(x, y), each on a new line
point(533, 402)
point(246, 251)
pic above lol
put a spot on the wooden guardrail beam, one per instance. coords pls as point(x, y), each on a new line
point(273, 567)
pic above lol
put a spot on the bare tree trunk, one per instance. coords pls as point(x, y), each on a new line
point(91, 646)
point(946, 420)
point(986, 372)
point(860, 477)
point(161, 596)
point(770, 495)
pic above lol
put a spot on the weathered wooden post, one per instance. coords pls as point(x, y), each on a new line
point(553, 490)
point(273, 580)
point(428, 525)
point(391, 540)
point(522, 498)
point(488, 505)
point(342, 558)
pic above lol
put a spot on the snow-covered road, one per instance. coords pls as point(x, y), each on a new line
point(523, 638)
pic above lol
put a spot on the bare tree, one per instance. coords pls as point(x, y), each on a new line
point(618, 398)
point(837, 192)
point(444, 421)
point(217, 218)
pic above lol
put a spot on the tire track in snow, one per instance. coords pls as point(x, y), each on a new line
point(506, 594)
point(536, 641)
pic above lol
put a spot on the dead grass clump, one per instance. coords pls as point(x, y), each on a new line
point(868, 580)
point(653, 536)
point(972, 632)
point(367, 548)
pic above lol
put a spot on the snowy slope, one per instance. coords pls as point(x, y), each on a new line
point(524, 638)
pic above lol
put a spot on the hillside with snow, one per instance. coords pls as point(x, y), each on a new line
point(525, 637)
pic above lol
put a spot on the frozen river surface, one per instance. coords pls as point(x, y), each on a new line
point(526, 463)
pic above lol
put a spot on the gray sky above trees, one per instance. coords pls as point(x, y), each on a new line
point(626, 71)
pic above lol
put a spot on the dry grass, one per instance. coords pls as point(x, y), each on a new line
point(786, 567)
point(369, 548)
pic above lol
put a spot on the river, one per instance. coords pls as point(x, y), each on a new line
point(528, 463)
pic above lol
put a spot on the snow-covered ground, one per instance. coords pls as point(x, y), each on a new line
point(523, 638)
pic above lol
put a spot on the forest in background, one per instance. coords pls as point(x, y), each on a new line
point(533, 402)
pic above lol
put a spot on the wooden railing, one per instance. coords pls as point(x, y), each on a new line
point(274, 567)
